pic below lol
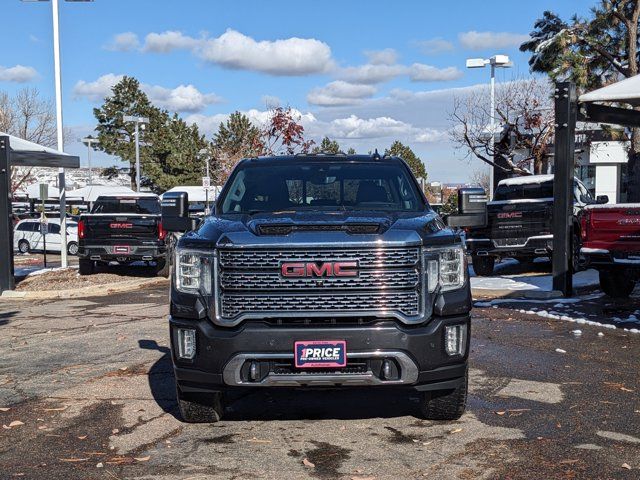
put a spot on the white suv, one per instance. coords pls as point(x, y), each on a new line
point(27, 236)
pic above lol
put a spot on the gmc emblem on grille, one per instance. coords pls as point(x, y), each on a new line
point(319, 269)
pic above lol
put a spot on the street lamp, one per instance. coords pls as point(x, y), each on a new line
point(497, 61)
point(89, 141)
point(138, 122)
point(206, 181)
point(58, 90)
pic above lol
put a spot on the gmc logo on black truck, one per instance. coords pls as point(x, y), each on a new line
point(320, 269)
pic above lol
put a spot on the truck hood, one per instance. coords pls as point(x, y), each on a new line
point(344, 228)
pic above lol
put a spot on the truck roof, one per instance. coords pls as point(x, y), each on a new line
point(320, 157)
point(529, 179)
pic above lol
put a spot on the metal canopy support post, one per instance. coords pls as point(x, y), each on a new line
point(6, 225)
point(566, 108)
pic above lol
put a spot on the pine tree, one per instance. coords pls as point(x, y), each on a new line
point(328, 146)
point(398, 149)
point(592, 52)
point(237, 138)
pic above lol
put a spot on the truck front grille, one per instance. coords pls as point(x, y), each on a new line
point(250, 284)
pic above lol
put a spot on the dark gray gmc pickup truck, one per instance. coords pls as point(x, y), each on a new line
point(319, 271)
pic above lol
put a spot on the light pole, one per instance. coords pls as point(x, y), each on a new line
point(497, 61)
point(89, 141)
point(139, 122)
point(206, 181)
point(58, 90)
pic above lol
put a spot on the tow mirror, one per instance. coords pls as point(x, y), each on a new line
point(472, 208)
point(602, 199)
point(175, 212)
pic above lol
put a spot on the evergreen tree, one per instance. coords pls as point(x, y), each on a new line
point(351, 151)
point(592, 52)
point(237, 138)
point(328, 146)
point(398, 149)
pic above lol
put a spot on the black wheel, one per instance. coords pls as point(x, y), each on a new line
point(617, 283)
point(200, 408)
point(575, 251)
point(23, 246)
point(72, 248)
point(85, 267)
point(445, 404)
point(483, 266)
point(162, 268)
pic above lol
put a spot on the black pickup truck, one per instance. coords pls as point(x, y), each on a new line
point(123, 228)
point(319, 272)
point(519, 222)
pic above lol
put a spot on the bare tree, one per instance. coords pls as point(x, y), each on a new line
point(26, 115)
point(525, 110)
point(482, 178)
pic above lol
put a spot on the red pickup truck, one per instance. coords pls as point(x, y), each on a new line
point(611, 244)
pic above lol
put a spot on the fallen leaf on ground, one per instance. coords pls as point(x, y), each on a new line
point(564, 462)
point(142, 459)
point(59, 409)
point(257, 440)
point(625, 389)
point(4, 409)
point(73, 460)
point(502, 412)
point(627, 466)
point(123, 368)
point(82, 437)
point(307, 463)
point(42, 427)
point(456, 430)
point(16, 423)
point(114, 431)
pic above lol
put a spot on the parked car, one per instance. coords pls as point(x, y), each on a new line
point(123, 228)
point(519, 222)
point(27, 236)
point(319, 272)
point(611, 244)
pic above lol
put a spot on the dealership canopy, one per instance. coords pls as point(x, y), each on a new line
point(29, 154)
point(624, 91)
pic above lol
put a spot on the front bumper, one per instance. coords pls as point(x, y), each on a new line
point(224, 355)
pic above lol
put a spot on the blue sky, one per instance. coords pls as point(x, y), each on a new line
point(364, 73)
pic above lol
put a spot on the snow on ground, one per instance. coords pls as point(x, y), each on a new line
point(521, 282)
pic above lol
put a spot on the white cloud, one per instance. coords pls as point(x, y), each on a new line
point(209, 123)
point(123, 42)
point(291, 56)
point(17, 74)
point(232, 49)
point(183, 98)
point(474, 40)
point(354, 127)
point(97, 90)
point(370, 73)
point(168, 41)
point(340, 93)
point(388, 56)
point(434, 46)
point(426, 73)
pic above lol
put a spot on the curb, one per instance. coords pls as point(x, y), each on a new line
point(484, 294)
point(90, 291)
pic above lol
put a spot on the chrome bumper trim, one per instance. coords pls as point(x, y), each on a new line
point(408, 372)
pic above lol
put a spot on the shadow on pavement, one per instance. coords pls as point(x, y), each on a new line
point(5, 316)
point(286, 403)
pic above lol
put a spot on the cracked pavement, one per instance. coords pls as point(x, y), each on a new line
point(91, 382)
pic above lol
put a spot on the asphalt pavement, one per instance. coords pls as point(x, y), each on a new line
point(86, 391)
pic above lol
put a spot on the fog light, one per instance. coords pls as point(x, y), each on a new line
point(186, 343)
point(455, 337)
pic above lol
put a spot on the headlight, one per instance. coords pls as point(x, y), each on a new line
point(193, 271)
point(445, 268)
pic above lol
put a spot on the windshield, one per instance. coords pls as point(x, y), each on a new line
point(143, 205)
point(533, 191)
point(321, 186)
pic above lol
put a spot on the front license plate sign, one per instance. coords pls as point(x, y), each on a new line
point(320, 353)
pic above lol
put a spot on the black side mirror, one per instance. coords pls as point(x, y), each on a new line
point(602, 199)
point(175, 212)
point(472, 209)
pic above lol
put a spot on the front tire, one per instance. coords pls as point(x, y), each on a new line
point(85, 267)
point(483, 266)
point(446, 404)
point(617, 284)
point(198, 408)
point(24, 247)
